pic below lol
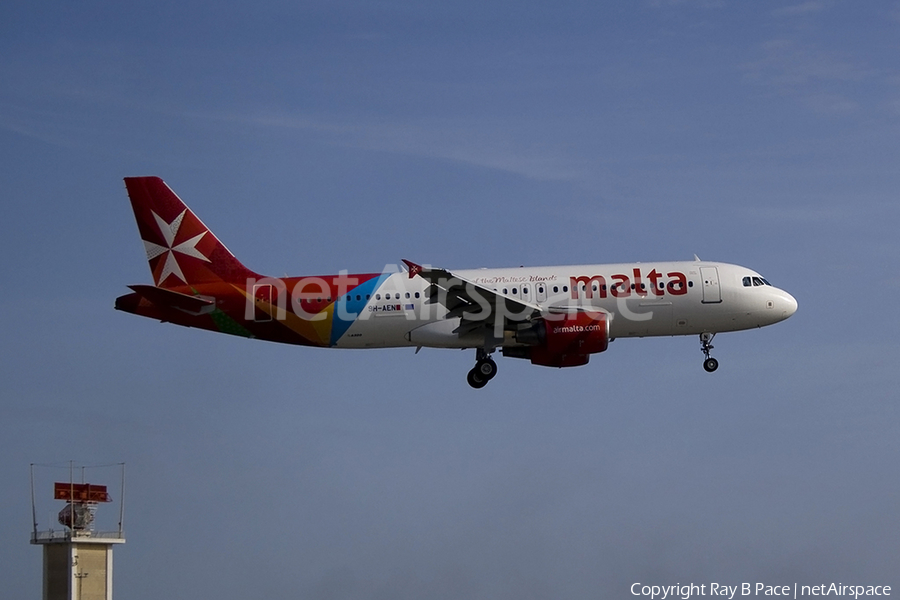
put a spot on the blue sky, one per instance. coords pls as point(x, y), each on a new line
point(315, 137)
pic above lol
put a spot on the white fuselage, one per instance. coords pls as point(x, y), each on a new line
point(641, 299)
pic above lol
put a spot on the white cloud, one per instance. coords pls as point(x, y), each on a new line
point(794, 214)
point(830, 103)
point(798, 9)
point(689, 3)
point(45, 126)
point(788, 63)
point(467, 141)
point(824, 81)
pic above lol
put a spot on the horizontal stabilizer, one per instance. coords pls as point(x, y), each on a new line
point(164, 298)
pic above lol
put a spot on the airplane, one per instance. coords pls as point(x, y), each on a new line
point(556, 316)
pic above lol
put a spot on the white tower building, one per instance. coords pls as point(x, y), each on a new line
point(78, 561)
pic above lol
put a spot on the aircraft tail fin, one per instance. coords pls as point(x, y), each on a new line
point(181, 250)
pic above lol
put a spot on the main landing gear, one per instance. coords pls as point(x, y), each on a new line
point(710, 364)
point(484, 370)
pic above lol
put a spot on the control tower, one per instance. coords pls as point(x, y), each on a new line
point(78, 561)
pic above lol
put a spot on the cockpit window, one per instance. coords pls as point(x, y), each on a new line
point(754, 281)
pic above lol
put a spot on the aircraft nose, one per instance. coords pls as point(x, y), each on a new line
point(790, 305)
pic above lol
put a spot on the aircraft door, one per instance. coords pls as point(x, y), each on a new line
point(712, 293)
point(526, 292)
point(262, 299)
point(540, 292)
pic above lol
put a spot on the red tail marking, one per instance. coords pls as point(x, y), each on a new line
point(180, 248)
point(414, 269)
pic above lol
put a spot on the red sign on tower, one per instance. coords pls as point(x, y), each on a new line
point(80, 492)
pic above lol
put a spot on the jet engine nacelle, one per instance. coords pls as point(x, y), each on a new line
point(562, 340)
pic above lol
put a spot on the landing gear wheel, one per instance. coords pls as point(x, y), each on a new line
point(475, 379)
point(486, 368)
point(710, 364)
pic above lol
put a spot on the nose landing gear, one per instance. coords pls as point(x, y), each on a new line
point(484, 370)
point(710, 364)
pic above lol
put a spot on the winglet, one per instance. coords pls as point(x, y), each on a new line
point(414, 269)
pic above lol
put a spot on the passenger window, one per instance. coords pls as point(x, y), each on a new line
point(378, 296)
point(555, 289)
point(565, 288)
point(417, 294)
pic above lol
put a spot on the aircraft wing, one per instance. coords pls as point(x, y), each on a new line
point(474, 303)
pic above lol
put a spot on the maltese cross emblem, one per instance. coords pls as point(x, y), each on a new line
point(169, 232)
